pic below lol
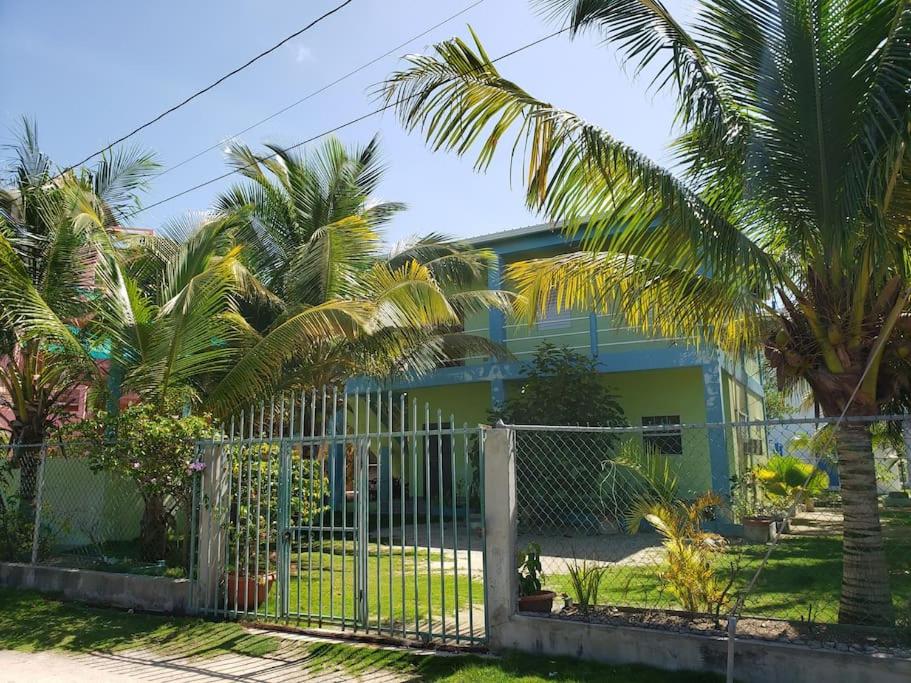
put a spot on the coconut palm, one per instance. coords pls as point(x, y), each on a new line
point(311, 233)
point(783, 225)
point(54, 231)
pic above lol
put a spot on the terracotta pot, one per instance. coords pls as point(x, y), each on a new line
point(539, 601)
point(246, 591)
point(757, 529)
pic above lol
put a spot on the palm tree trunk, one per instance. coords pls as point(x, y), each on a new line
point(865, 595)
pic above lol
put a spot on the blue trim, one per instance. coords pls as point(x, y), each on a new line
point(529, 243)
point(649, 358)
point(593, 334)
point(739, 373)
point(496, 320)
point(717, 438)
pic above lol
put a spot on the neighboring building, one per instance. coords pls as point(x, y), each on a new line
point(658, 380)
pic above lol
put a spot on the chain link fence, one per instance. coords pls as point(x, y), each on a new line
point(58, 509)
point(670, 524)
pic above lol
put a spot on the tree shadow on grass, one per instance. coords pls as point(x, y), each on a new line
point(31, 622)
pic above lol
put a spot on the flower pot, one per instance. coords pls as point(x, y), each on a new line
point(539, 601)
point(757, 529)
point(246, 591)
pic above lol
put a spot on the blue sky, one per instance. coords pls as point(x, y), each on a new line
point(89, 72)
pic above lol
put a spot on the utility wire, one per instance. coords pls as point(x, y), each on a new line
point(334, 129)
point(325, 87)
point(208, 87)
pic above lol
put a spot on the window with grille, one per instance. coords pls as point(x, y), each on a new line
point(668, 441)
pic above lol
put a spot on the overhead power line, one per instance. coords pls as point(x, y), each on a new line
point(334, 129)
point(208, 87)
point(324, 88)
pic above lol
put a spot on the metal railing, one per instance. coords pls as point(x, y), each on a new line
point(358, 511)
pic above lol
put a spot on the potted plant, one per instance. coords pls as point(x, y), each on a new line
point(244, 591)
point(786, 479)
point(531, 597)
point(748, 507)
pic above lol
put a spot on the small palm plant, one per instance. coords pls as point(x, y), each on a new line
point(692, 554)
point(786, 480)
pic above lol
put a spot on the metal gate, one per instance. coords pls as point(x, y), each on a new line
point(349, 511)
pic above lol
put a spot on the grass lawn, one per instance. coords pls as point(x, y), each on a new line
point(30, 622)
point(801, 580)
point(324, 583)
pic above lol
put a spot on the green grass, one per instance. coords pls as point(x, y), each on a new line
point(30, 622)
point(801, 580)
point(318, 587)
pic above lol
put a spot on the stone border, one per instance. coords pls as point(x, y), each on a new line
point(127, 591)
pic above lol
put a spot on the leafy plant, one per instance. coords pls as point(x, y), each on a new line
point(155, 448)
point(747, 499)
point(786, 479)
point(563, 387)
point(636, 477)
point(254, 504)
point(530, 575)
point(585, 578)
point(691, 554)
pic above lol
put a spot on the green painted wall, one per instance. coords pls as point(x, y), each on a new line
point(746, 445)
point(676, 391)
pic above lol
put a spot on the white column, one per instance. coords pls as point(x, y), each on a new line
point(500, 530)
point(213, 512)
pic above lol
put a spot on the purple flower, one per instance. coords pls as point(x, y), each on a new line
point(197, 466)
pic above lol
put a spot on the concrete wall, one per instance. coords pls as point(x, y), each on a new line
point(754, 661)
point(147, 593)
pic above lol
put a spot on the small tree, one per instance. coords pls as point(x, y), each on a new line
point(562, 388)
point(154, 447)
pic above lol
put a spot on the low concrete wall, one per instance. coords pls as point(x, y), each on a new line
point(754, 661)
point(147, 593)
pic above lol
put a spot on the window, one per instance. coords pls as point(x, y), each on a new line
point(553, 319)
point(667, 441)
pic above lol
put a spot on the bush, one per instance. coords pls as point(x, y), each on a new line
point(153, 446)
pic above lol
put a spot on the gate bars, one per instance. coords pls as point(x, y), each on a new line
point(344, 510)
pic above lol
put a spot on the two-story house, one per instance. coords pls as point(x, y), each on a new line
point(657, 380)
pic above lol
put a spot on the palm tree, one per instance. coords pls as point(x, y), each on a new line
point(311, 233)
point(783, 225)
point(54, 231)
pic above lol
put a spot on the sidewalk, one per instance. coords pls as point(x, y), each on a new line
point(144, 665)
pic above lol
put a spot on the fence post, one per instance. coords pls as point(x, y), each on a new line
point(906, 434)
point(210, 536)
point(39, 493)
point(500, 530)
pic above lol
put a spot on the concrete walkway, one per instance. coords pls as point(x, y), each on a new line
point(284, 666)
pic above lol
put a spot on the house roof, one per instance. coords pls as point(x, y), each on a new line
point(513, 233)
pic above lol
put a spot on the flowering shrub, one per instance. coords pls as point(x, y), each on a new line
point(152, 446)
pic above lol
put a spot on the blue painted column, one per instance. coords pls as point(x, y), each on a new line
point(496, 323)
point(717, 437)
point(593, 334)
